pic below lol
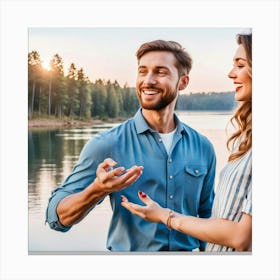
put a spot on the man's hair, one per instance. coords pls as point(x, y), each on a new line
point(183, 59)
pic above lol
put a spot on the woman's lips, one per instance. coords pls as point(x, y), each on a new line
point(238, 87)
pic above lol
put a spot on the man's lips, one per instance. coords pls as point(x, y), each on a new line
point(150, 91)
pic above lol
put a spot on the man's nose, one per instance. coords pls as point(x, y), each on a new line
point(150, 79)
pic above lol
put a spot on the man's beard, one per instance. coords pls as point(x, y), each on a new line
point(160, 104)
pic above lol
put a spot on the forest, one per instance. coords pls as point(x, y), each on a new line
point(210, 101)
point(55, 94)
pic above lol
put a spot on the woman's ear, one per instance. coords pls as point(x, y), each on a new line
point(184, 81)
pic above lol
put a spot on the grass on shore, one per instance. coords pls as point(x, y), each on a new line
point(54, 122)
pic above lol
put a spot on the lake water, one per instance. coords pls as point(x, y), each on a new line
point(51, 156)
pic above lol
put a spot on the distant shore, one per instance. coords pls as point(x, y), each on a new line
point(45, 123)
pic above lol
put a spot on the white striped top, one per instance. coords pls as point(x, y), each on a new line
point(234, 194)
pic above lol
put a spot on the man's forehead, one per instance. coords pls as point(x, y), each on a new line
point(158, 58)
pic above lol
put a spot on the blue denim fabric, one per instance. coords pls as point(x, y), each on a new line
point(183, 182)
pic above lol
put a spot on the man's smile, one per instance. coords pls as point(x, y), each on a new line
point(149, 91)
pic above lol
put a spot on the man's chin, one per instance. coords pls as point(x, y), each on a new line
point(153, 107)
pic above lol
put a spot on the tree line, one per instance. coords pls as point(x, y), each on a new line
point(211, 101)
point(53, 93)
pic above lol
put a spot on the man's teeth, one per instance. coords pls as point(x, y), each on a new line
point(150, 92)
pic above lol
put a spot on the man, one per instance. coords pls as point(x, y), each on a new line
point(170, 161)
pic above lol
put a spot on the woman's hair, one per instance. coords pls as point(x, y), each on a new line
point(243, 115)
point(183, 59)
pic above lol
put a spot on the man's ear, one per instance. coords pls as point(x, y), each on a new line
point(184, 80)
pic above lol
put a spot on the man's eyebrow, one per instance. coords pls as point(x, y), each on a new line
point(157, 67)
point(162, 67)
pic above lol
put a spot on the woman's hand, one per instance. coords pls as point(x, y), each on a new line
point(152, 212)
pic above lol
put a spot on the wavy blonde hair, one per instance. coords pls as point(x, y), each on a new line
point(243, 115)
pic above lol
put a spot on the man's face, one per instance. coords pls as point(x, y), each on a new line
point(158, 81)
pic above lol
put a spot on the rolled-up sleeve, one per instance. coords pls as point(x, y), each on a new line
point(51, 214)
point(82, 175)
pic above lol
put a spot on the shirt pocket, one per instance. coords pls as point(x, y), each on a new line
point(195, 175)
point(190, 185)
point(196, 170)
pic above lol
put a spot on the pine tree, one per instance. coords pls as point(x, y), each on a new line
point(72, 91)
point(84, 95)
point(99, 98)
point(56, 86)
point(34, 70)
point(112, 106)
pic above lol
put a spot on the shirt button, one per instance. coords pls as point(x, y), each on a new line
point(170, 177)
point(169, 160)
point(160, 140)
point(171, 196)
point(196, 171)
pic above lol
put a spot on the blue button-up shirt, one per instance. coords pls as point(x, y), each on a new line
point(182, 181)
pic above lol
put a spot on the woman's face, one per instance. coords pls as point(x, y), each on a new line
point(240, 74)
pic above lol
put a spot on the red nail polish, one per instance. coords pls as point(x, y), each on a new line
point(143, 195)
point(140, 193)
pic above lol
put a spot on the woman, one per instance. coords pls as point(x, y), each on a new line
point(230, 226)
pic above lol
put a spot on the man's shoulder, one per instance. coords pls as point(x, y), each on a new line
point(115, 132)
point(106, 140)
point(194, 134)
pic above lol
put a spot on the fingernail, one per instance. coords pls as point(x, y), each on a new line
point(142, 194)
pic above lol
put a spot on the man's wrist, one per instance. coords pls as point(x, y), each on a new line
point(96, 190)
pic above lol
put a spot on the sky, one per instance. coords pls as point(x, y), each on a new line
point(109, 53)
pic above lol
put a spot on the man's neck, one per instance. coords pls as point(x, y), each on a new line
point(161, 121)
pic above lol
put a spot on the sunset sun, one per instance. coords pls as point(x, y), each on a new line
point(46, 65)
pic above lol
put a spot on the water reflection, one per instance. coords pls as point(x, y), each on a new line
point(52, 154)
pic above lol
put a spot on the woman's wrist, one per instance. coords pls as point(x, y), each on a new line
point(164, 215)
point(167, 217)
point(170, 217)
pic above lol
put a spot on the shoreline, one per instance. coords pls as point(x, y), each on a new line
point(56, 123)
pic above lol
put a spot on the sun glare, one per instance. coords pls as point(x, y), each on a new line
point(46, 65)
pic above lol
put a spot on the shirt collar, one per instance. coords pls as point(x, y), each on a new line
point(140, 123)
point(142, 126)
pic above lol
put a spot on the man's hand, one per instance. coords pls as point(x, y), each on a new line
point(111, 180)
point(74, 207)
